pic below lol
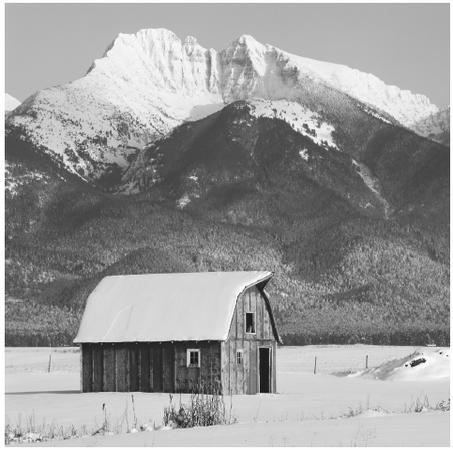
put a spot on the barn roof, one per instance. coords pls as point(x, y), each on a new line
point(164, 307)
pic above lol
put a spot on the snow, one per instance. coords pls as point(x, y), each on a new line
point(434, 126)
point(164, 307)
point(309, 410)
point(429, 364)
point(398, 431)
point(256, 70)
point(304, 154)
point(183, 201)
point(403, 105)
point(10, 102)
point(300, 118)
point(149, 82)
point(372, 184)
point(14, 181)
point(374, 113)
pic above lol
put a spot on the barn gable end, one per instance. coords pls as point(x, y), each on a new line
point(240, 374)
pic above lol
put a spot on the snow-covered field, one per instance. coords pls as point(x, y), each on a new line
point(342, 404)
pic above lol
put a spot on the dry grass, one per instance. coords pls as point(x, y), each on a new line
point(28, 430)
point(203, 410)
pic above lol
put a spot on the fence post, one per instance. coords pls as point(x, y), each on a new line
point(366, 362)
point(50, 362)
point(314, 369)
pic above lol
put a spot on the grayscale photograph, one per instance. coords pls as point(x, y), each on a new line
point(226, 224)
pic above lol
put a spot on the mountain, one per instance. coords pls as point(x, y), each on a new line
point(245, 159)
point(243, 144)
point(358, 242)
point(150, 82)
point(249, 141)
point(436, 126)
point(10, 102)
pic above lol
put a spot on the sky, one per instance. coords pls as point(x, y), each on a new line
point(407, 45)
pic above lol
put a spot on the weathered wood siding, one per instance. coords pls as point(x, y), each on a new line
point(243, 378)
point(149, 367)
point(162, 367)
point(207, 377)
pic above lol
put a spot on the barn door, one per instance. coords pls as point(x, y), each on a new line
point(264, 369)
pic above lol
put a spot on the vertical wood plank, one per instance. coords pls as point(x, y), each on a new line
point(253, 367)
point(171, 363)
point(218, 367)
point(274, 367)
point(259, 315)
point(165, 368)
point(253, 300)
point(205, 367)
point(157, 367)
point(109, 368)
point(233, 328)
point(245, 380)
point(133, 367)
point(267, 322)
point(121, 364)
point(87, 368)
point(144, 384)
point(81, 368)
point(98, 367)
point(240, 316)
point(151, 350)
point(233, 372)
point(227, 366)
point(239, 368)
point(181, 370)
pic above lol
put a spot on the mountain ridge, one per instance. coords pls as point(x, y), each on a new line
point(244, 192)
point(436, 126)
point(348, 207)
point(151, 81)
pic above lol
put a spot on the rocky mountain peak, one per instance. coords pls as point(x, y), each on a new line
point(149, 82)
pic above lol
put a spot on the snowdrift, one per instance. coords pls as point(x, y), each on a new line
point(426, 364)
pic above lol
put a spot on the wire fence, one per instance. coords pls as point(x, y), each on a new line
point(329, 359)
point(42, 359)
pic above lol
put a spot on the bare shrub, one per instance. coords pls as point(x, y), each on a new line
point(203, 410)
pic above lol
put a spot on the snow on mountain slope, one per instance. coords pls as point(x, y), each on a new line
point(268, 64)
point(436, 126)
point(149, 82)
point(372, 183)
point(13, 180)
point(144, 86)
point(300, 118)
point(10, 102)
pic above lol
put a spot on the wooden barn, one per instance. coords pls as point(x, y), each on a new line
point(184, 332)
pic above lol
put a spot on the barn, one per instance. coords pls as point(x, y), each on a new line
point(181, 332)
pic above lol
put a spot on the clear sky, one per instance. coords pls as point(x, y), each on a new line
point(403, 44)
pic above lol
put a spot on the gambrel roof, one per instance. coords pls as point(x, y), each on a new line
point(165, 307)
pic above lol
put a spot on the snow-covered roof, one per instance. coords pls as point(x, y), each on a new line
point(164, 307)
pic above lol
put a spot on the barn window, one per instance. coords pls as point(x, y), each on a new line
point(193, 357)
point(239, 357)
point(250, 322)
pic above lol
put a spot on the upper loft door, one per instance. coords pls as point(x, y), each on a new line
point(265, 369)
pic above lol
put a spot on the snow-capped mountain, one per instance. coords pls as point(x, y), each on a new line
point(149, 82)
point(10, 102)
point(236, 146)
point(294, 164)
point(436, 126)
